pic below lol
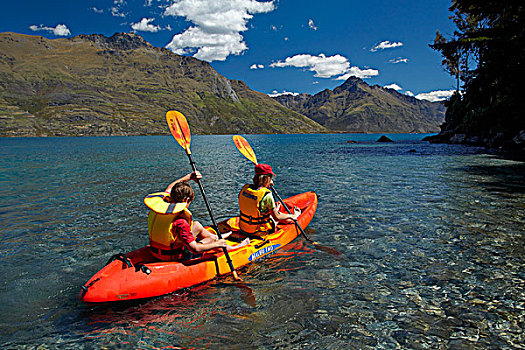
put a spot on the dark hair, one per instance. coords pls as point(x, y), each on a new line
point(181, 192)
point(260, 180)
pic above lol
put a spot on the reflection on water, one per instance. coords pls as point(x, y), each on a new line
point(431, 236)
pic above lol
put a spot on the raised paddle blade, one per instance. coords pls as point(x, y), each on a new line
point(179, 129)
point(244, 147)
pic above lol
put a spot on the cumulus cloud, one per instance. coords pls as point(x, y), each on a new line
point(359, 73)
point(145, 26)
point(96, 10)
point(257, 66)
point(217, 26)
point(393, 87)
point(434, 96)
point(398, 60)
point(312, 25)
point(386, 45)
point(325, 66)
point(275, 93)
point(59, 30)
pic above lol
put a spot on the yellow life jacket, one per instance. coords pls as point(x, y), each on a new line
point(160, 221)
point(251, 218)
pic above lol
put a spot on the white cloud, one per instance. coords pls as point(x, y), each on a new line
point(326, 66)
point(116, 10)
point(434, 96)
point(257, 66)
point(275, 93)
point(398, 60)
point(409, 93)
point(393, 87)
point(323, 66)
point(359, 73)
point(145, 26)
point(386, 45)
point(59, 30)
point(312, 25)
point(96, 10)
point(209, 47)
point(217, 29)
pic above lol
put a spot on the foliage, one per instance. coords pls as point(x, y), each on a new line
point(486, 53)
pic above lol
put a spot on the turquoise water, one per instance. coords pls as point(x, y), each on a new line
point(432, 242)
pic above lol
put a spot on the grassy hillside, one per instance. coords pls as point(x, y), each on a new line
point(122, 85)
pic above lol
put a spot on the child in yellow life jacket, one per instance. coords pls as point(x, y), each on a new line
point(258, 211)
point(171, 227)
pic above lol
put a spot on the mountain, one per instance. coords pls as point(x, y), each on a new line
point(356, 106)
point(122, 85)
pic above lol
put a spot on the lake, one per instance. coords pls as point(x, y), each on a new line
point(432, 239)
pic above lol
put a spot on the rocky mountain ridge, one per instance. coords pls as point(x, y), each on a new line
point(355, 106)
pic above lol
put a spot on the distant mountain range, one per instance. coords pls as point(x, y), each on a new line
point(122, 85)
point(356, 106)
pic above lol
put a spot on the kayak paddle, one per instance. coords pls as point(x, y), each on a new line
point(181, 132)
point(244, 147)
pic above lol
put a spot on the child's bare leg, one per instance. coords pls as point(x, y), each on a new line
point(205, 236)
point(242, 244)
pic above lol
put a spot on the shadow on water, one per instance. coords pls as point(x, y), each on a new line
point(507, 178)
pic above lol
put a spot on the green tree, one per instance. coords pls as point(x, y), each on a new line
point(486, 53)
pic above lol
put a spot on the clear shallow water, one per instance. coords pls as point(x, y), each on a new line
point(432, 242)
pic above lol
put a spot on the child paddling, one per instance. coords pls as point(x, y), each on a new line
point(173, 234)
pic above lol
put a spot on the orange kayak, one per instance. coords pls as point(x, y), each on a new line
point(137, 274)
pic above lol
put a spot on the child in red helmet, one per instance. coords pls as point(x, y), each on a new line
point(258, 211)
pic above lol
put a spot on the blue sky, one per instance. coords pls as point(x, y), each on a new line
point(280, 46)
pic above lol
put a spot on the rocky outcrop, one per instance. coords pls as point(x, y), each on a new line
point(513, 142)
point(118, 41)
point(384, 138)
point(493, 127)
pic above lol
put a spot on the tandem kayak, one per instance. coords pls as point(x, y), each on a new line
point(138, 274)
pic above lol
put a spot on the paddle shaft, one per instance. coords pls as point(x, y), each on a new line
point(289, 212)
point(214, 223)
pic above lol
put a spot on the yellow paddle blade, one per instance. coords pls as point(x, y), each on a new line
point(244, 147)
point(179, 129)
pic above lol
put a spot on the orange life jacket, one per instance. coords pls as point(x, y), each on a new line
point(160, 221)
point(251, 218)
